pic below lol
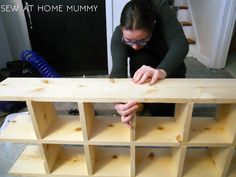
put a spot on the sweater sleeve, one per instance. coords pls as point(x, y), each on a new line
point(174, 36)
point(119, 55)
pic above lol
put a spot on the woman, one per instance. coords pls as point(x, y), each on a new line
point(151, 36)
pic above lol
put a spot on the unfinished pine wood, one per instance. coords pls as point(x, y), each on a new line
point(232, 169)
point(30, 162)
point(65, 130)
point(112, 161)
point(221, 158)
point(183, 115)
point(198, 162)
point(19, 130)
point(154, 162)
point(118, 90)
point(161, 131)
point(88, 145)
point(43, 116)
point(206, 131)
point(70, 162)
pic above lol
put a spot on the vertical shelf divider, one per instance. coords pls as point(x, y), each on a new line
point(89, 151)
point(183, 115)
point(178, 156)
point(133, 160)
point(42, 115)
point(226, 115)
point(222, 157)
point(86, 111)
point(50, 154)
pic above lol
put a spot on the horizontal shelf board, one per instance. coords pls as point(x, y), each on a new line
point(19, 130)
point(109, 129)
point(157, 130)
point(118, 90)
point(206, 131)
point(199, 163)
point(154, 162)
point(66, 129)
point(30, 162)
point(112, 161)
point(71, 161)
point(232, 169)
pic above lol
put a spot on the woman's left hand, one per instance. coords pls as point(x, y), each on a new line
point(148, 74)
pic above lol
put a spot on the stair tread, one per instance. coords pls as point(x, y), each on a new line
point(183, 7)
point(191, 41)
point(185, 23)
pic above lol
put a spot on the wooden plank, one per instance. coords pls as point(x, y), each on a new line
point(222, 158)
point(112, 161)
point(109, 130)
point(226, 116)
point(50, 153)
point(183, 115)
point(86, 111)
point(157, 131)
point(232, 169)
point(154, 162)
point(90, 156)
point(178, 156)
point(206, 131)
point(118, 90)
point(65, 130)
point(132, 161)
point(198, 162)
point(43, 115)
point(71, 161)
point(19, 130)
point(30, 162)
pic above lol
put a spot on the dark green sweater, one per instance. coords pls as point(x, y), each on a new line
point(168, 43)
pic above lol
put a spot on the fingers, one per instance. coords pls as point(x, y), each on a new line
point(148, 74)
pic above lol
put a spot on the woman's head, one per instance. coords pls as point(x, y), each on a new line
point(136, 15)
point(137, 22)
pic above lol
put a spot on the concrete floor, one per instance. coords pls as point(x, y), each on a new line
point(9, 152)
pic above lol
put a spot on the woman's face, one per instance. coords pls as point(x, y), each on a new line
point(136, 39)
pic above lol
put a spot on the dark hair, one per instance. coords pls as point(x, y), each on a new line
point(137, 14)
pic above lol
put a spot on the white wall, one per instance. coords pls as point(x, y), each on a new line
point(5, 53)
point(16, 34)
point(208, 20)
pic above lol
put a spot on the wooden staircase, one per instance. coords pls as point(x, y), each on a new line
point(182, 12)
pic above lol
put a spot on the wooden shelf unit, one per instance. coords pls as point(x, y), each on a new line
point(92, 145)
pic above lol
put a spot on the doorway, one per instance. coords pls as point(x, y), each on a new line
point(70, 35)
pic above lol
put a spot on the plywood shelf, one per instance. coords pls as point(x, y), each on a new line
point(71, 161)
point(65, 130)
point(154, 162)
point(19, 130)
point(157, 130)
point(91, 144)
point(112, 160)
point(30, 163)
point(205, 131)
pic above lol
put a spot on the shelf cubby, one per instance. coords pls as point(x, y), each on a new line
point(167, 131)
point(53, 128)
point(65, 159)
point(110, 160)
point(207, 161)
point(167, 161)
point(25, 131)
point(30, 162)
point(110, 130)
point(232, 167)
point(216, 130)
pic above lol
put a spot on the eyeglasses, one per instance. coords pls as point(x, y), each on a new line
point(141, 42)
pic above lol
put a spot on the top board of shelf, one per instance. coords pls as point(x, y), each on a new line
point(118, 90)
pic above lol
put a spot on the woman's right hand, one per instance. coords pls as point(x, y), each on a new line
point(126, 110)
